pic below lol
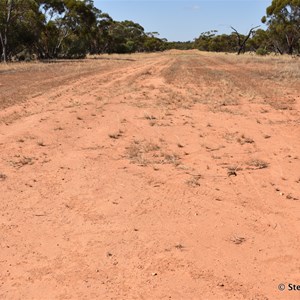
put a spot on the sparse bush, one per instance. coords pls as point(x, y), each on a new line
point(261, 52)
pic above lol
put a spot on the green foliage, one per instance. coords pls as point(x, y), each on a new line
point(261, 52)
point(180, 45)
point(209, 41)
point(125, 37)
point(67, 29)
point(283, 20)
point(152, 44)
point(74, 28)
point(19, 26)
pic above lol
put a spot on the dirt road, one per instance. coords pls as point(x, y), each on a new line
point(160, 176)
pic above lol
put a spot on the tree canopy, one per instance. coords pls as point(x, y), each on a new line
point(283, 20)
point(47, 29)
point(66, 29)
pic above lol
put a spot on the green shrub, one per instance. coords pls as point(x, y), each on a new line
point(262, 52)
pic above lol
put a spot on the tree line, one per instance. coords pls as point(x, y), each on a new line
point(48, 29)
point(281, 36)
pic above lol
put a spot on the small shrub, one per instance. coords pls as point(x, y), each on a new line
point(262, 52)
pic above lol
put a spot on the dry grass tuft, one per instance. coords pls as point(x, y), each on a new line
point(141, 152)
point(245, 140)
point(179, 246)
point(232, 170)
point(171, 159)
point(135, 154)
point(149, 117)
point(116, 135)
point(22, 161)
point(2, 176)
point(193, 181)
point(257, 164)
point(238, 240)
point(147, 152)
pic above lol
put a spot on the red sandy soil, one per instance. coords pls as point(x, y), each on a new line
point(159, 176)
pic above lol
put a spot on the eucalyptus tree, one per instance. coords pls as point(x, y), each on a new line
point(283, 20)
point(19, 26)
point(67, 29)
point(70, 27)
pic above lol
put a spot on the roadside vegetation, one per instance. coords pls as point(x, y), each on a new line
point(48, 29)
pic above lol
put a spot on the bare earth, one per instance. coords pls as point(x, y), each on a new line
point(160, 176)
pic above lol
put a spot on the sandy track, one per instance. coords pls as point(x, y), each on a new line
point(119, 183)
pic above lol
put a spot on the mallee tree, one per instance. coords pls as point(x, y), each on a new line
point(283, 20)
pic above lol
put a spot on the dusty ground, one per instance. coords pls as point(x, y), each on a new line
point(160, 176)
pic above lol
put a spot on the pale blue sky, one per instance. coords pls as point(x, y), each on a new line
point(181, 20)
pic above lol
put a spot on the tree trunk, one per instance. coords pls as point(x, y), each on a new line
point(4, 37)
point(290, 42)
point(5, 45)
point(278, 50)
point(242, 44)
point(3, 56)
